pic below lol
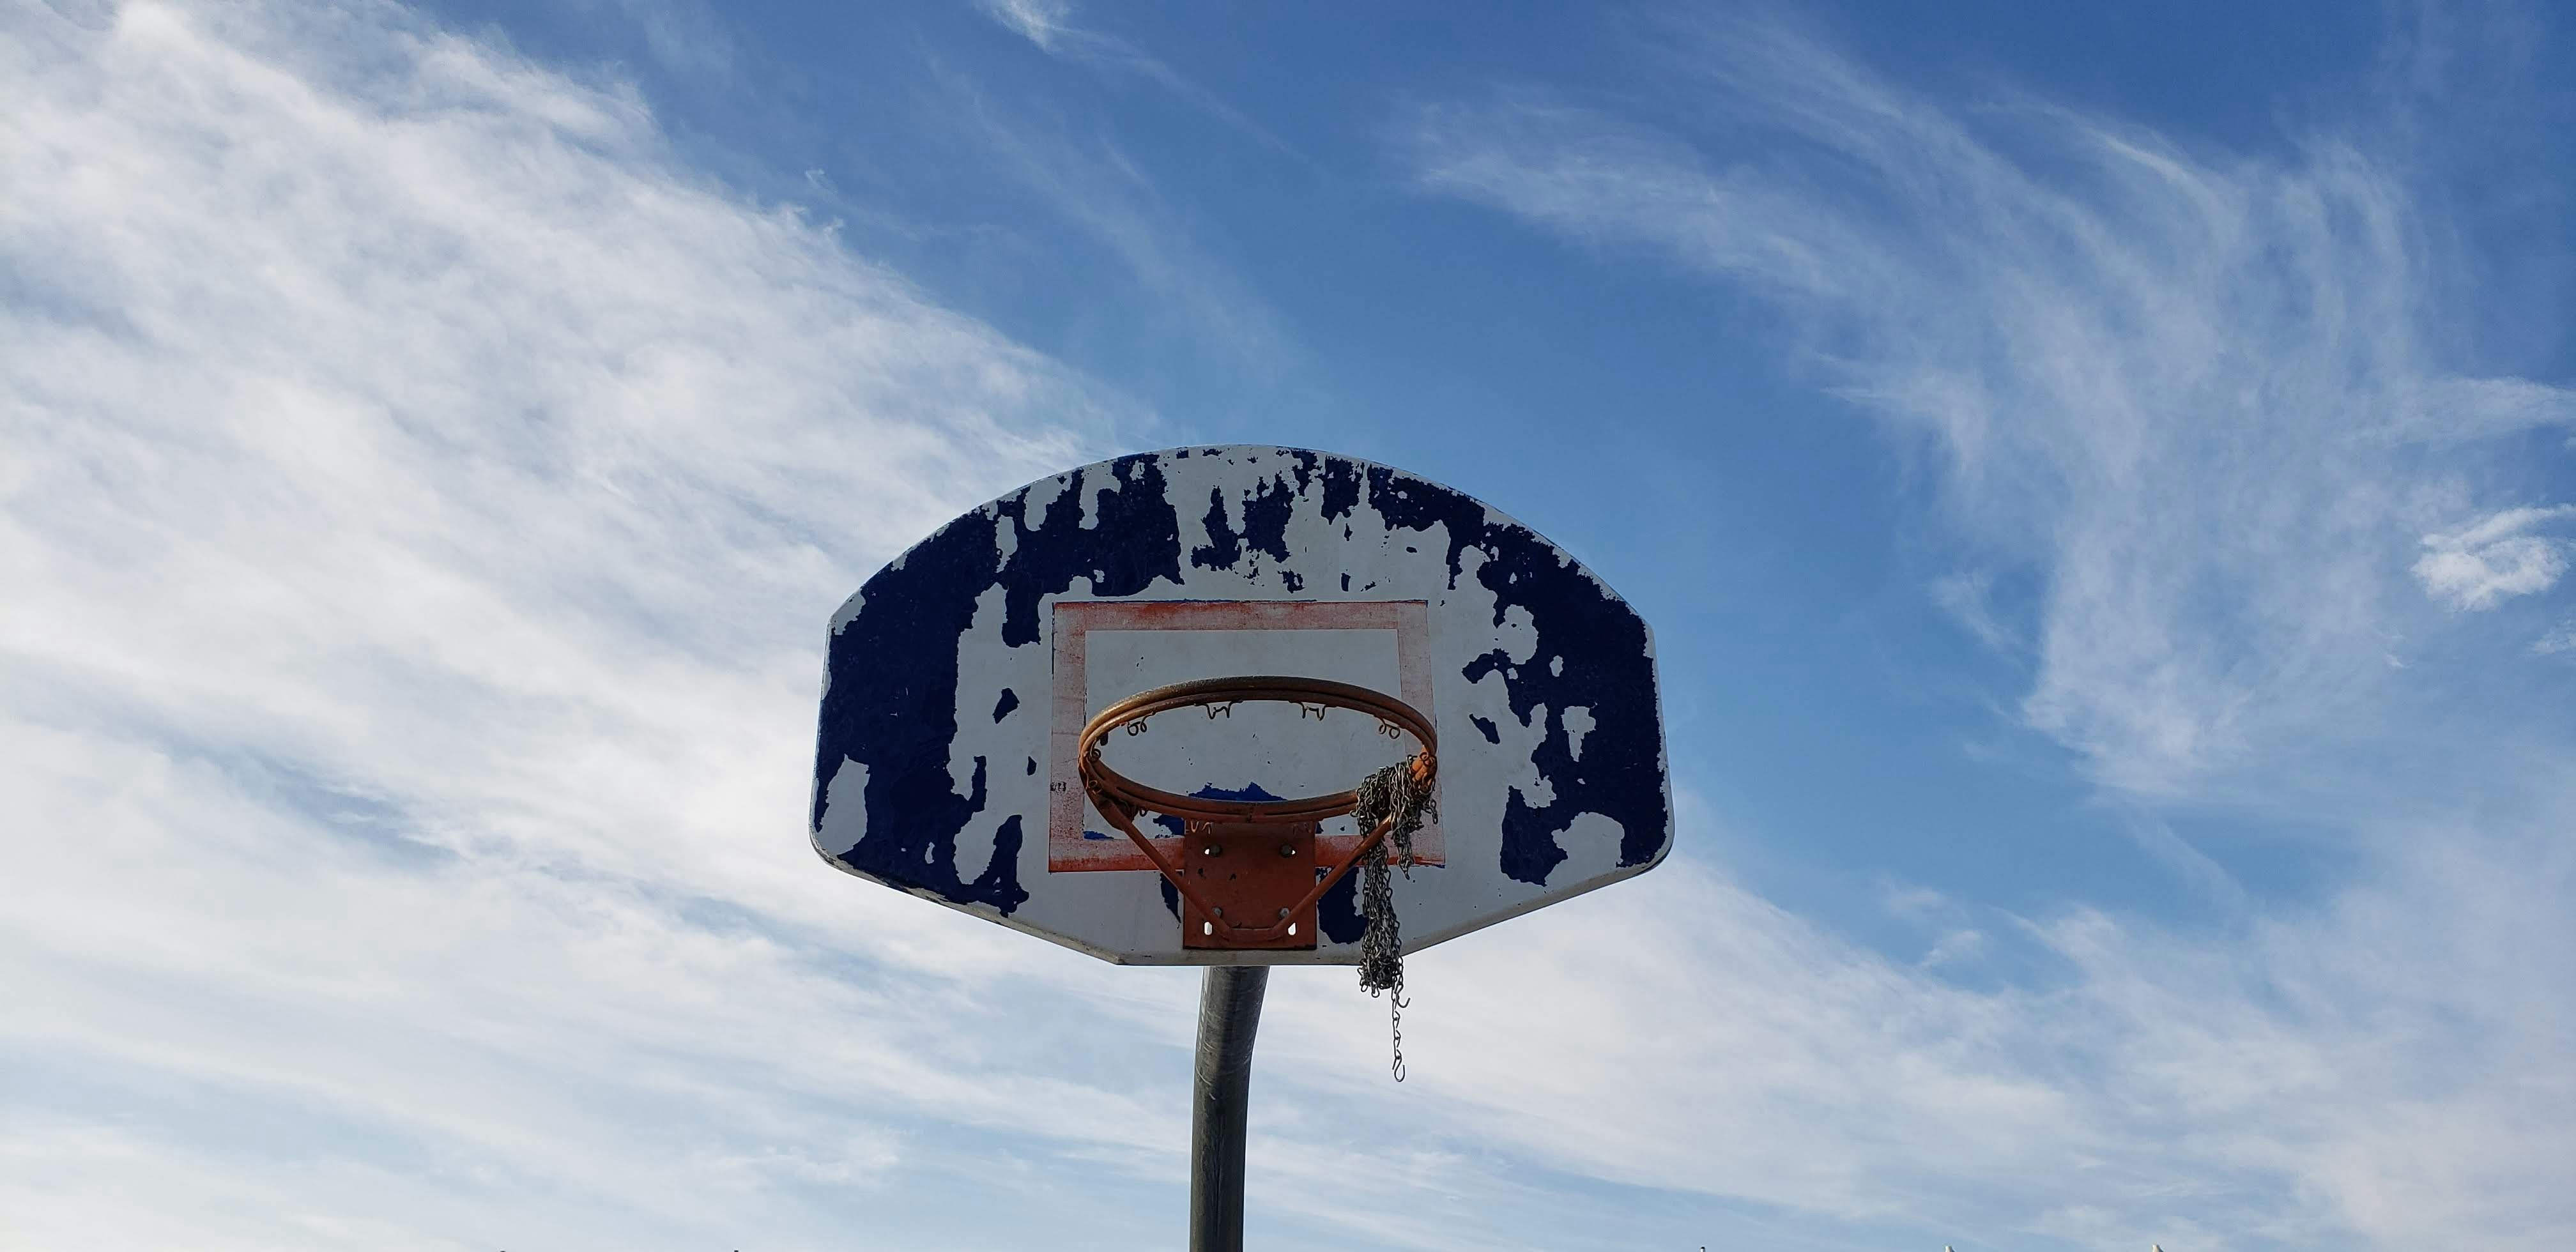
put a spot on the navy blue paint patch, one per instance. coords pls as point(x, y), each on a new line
point(1000, 881)
point(1171, 897)
point(1337, 911)
point(1265, 519)
point(1530, 852)
point(1341, 489)
point(1493, 734)
point(1136, 539)
point(1033, 767)
point(1248, 791)
point(1265, 531)
point(1224, 547)
point(1002, 708)
point(891, 703)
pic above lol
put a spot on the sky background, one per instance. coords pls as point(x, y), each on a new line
point(2101, 479)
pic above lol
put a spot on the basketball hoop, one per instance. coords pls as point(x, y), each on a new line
point(957, 757)
point(1252, 901)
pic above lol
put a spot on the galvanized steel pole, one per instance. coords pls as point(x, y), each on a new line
point(1229, 1016)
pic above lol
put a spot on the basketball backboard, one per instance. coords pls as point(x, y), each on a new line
point(961, 676)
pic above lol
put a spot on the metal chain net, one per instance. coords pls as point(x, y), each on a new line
point(1393, 790)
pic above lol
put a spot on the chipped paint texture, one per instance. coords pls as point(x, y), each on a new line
point(933, 763)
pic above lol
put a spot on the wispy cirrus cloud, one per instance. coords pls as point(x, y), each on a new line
point(1046, 23)
point(2211, 403)
point(1050, 25)
point(424, 499)
point(1108, 198)
point(684, 36)
point(2482, 564)
point(2203, 395)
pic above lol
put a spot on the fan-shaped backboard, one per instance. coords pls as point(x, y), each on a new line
point(959, 675)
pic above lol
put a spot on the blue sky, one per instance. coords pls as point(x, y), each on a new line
point(2101, 482)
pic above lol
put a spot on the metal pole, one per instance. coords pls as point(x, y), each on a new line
point(1229, 1016)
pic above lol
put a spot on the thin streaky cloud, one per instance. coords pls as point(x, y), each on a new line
point(1041, 22)
point(1110, 198)
point(2205, 876)
point(1969, 600)
point(425, 502)
point(2495, 559)
point(2204, 399)
point(685, 36)
point(2072, 349)
point(1049, 25)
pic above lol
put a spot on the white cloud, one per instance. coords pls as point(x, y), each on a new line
point(1041, 22)
point(422, 397)
point(2190, 865)
point(1098, 190)
point(684, 36)
point(2560, 640)
point(2207, 400)
point(1968, 599)
point(2201, 395)
point(2352, 1073)
point(1954, 948)
point(2497, 558)
point(1049, 25)
point(423, 502)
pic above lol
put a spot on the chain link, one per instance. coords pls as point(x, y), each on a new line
point(1393, 791)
